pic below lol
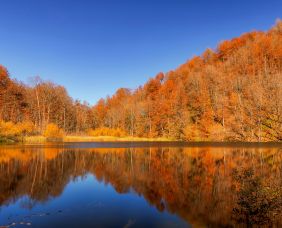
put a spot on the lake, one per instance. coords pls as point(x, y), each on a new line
point(141, 185)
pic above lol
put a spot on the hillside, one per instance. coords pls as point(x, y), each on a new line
point(231, 93)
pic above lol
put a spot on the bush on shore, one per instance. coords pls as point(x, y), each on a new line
point(10, 129)
point(53, 131)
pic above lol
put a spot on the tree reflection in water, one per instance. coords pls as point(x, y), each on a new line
point(204, 186)
point(257, 203)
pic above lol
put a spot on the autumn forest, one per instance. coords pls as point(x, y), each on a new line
point(230, 93)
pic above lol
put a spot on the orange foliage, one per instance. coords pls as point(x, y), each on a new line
point(211, 97)
point(53, 131)
point(230, 93)
point(8, 129)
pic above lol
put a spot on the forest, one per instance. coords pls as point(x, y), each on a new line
point(230, 93)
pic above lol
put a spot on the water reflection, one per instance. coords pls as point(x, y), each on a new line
point(202, 186)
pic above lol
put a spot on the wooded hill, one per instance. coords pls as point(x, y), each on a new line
point(231, 93)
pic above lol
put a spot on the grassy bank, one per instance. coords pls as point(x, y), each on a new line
point(34, 139)
point(109, 139)
point(6, 140)
point(42, 139)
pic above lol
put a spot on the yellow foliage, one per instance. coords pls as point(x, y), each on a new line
point(8, 129)
point(217, 132)
point(104, 131)
point(53, 131)
point(191, 133)
point(26, 127)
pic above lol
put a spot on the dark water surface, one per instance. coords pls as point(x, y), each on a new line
point(141, 185)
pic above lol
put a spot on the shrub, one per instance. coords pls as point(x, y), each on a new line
point(8, 129)
point(53, 131)
point(191, 133)
point(26, 128)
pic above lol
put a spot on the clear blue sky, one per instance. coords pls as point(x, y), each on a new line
point(94, 47)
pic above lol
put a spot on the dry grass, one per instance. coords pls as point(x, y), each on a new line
point(34, 139)
point(73, 138)
point(110, 139)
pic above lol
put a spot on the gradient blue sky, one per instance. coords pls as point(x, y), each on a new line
point(94, 47)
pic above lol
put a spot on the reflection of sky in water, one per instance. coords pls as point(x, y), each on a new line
point(86, 202)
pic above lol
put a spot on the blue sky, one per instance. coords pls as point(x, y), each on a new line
point(94, 47)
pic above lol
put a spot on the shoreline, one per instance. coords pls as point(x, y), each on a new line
point(111, 141)
point(39, 139)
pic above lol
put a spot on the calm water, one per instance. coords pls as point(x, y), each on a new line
point(140, 185)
